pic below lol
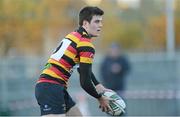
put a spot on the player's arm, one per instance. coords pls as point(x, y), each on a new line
point(85, 71)
point(86, 52)
point(99, 87)
point(93, 78)
point(88, 86)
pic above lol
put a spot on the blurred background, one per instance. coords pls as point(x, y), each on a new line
point(147, 30)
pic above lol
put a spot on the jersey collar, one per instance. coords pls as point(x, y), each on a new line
point(83, 32)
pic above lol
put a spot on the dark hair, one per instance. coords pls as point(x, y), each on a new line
point(88, 12)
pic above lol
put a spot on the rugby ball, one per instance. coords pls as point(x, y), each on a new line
point(116, 103)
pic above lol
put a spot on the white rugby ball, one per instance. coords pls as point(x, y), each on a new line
point(116, 103)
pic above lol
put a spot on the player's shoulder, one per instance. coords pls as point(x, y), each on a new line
point(74, 36)
point(80, 40)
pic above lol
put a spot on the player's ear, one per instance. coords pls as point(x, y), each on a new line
point(85, 23)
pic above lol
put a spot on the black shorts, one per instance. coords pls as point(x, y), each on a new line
point(53, 98)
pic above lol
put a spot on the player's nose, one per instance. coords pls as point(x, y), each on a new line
point(100, 24)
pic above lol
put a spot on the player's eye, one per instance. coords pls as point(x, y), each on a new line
point(97, 21)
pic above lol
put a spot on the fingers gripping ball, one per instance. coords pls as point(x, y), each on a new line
point(116, 103)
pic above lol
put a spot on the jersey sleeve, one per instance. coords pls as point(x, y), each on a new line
point(86, 52)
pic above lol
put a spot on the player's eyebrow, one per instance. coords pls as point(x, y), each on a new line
point(98, 20)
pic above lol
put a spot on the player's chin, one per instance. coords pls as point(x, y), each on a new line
point(96, 35)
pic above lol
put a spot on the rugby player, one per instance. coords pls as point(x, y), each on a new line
point(74, 51)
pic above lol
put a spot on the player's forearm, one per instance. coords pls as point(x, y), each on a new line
point(93, 78)
point(85, 80)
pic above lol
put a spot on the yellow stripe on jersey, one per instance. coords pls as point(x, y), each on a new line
point(86, 60)
point(57, 63)
point(72, 37)
point(81, 44)
point(70, 54)
point(51, 73)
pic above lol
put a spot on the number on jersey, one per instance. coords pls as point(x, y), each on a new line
point(60, 50)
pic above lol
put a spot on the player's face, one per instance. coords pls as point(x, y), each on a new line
point(94, 27)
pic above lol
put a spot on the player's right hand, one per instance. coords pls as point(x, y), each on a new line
point(104, 103)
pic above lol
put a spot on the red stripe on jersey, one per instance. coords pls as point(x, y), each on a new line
point(77, 35)
point(86, 54)
point(65, 63)
point(59, 73)
point(71, 49)
point(50, 81)
point(80, 37)
point(86, 39)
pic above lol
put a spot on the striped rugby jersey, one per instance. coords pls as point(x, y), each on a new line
point(75, 48)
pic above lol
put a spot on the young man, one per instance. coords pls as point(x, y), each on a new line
point(75, 49)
